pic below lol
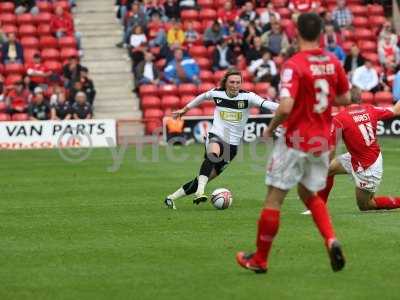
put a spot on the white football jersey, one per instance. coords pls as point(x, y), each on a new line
point(231, 114)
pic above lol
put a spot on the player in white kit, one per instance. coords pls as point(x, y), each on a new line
point(230, 117)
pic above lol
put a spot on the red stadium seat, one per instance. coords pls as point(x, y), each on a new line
point(383, 97)
point(375, 10)
point(48, 41)
point(206, 3)
point(347, 35)
point(185, 100)
point(7, 7)
point(197, 26)
point(218, 76)
point(347, 46)
point(150, 102)
point(363, 34)
point(279, 3)
point(207, 23)
point(246, 75)
point(27, 30)
point(50, 54)
point(358, 10)
point(248, 86)
point(284, 12)
point(20, 117)
point(44, 6)
point(30, 42)
point(367, 46)
point(367, 97)
point(153, 113)
point(360, 22)
point(54, 66)
point(42, 18)
point(372, 56)
point(189, 14)
point(198, 51)
point(19, 105)
point(68, 52)
point(148, 90)
point(261, 89)
point(29, 53)
point(8, 19)
point(206, 76)
point(195, 112)
point(208, 111)
point(204, 87)
point(3, 106)
point(376, 21)
point(170, 102)
point(14, 68)
point(4, 117)
point(67, 42)
point(44, 29)
point(168, 89)
point(12, 79)
point(153, 126)
point(210, 51)
point(204, 63)
point(187, 89)
point(25, 19)
point(9, 29)
point(208, 14)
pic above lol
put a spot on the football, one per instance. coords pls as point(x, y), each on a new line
point(221, 198)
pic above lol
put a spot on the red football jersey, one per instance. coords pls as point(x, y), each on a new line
point(358, 125)
point(313, 78)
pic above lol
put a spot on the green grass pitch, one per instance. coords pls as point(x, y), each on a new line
point(79, 231)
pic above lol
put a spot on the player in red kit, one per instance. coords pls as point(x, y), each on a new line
point(311, 82)
point(357, 125)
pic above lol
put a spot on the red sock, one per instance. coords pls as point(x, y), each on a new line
point(321, 217)
point(384, 202)
point(324, 194)
point(268, 226)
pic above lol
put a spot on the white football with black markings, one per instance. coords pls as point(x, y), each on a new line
point(221, 198)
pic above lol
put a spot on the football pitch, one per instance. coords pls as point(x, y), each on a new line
point(92, 231)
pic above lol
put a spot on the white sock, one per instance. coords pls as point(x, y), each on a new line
point(178, 194)
point(202, 182)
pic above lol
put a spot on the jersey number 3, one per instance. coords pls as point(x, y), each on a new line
point(321, 87)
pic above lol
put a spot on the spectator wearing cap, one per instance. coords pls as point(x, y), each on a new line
point(38, 73)
point(264, 69)
point(18, 98)
point(12, 51)
point(175, 34)
point(146, 72)
point(39, 109)
point(72, 72)
point(223, 56)
point(62, 24)
point(182, 69)
point(60, 109)
point(353, 60)
point(342, 14)
point(213, 34)
point(26, 6)
point(87, 85)
point(366, 78)
point(81, 109)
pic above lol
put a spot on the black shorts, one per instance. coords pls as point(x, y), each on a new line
point(228, 152)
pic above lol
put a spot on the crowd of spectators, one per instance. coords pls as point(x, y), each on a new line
point(41, 75)
point(173, 42)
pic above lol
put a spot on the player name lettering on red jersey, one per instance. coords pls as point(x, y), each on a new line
point(319, 70)
point(361, 118)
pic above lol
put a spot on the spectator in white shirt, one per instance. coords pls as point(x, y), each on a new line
point(137, 37)
point(366, 78)
point(264, 69)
